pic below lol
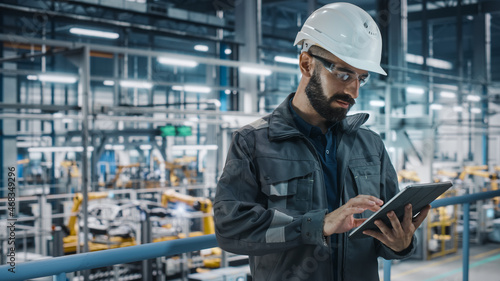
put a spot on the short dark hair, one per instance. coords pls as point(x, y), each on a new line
point(318, 51)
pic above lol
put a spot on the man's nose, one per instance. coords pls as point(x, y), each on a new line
point(352, 89)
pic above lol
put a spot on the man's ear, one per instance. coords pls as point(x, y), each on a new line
point(306, 64)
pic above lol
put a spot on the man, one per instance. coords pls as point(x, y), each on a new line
point(296, 181)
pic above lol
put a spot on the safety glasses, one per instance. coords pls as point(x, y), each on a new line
point(345, 75)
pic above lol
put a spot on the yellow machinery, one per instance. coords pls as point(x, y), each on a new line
point(115, 180)
point(443, 173)
point(182, 165)
point(404, 175)
point(442, 229)
point(72, 168)
point(199, 203)
point(480, 172)
point(205, 206)
point(70, 241)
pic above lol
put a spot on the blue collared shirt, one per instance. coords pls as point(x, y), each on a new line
point(326, 149)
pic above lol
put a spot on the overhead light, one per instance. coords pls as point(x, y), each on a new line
point(178, 62)
point(145, 147)
point(473, 98)
point(449, 95)
point(475, 110)
point(201, 48)
point(437, 63)
point(227, 92)
point(114, 147)
point(57, 78)
point(254, 70)
point(94, 33)
point(414, 59)
point(32, 77)
point(377, 103)
point(195, 147)
point(286, 60)
point(228, 51)
point(136, 84)
point(436, 106)
point(415, 90)
point(458, 108)
point(57, 115)
point(194, 89)
point(433, 62)
point(108, 82)
point(59, 149)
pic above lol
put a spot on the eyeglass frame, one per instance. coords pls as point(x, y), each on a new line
point(330, 66)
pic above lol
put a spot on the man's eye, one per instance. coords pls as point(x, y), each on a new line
point(344, 77)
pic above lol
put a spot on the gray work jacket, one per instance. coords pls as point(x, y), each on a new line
point(271, 201)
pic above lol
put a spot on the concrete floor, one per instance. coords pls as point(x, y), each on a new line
point(484, 266)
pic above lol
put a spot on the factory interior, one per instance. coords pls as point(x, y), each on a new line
point(116, 117)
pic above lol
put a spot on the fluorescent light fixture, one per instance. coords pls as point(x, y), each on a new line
point(57, 115)
point(178, 62)
point(194, 89)
point(228, 51)
point(32, 77)
point(286, 60)
point(108, 82)
point(448, 95)
point(377, 103)
point(415, 59)
point(114, 147)
point(201, 48)
point(415, 90)
point(136, 84)
point(94, 33)
point(145, 146)
point(57, 78)
point(254, 70)
point(458, 108)
point(437, 63)
point(436, 106)
point(59, 149)
point(195, 147)
point(475, 110)
point(433, 62)
point(473, 98)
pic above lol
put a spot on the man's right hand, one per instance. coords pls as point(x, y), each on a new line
point(342, 219)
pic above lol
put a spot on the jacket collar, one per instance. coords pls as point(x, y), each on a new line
point(282, 126)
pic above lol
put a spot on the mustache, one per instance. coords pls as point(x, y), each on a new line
point(342, 97)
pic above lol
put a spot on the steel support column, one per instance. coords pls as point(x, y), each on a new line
point(246, 31)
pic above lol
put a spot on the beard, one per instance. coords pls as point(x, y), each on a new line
point(322, 104)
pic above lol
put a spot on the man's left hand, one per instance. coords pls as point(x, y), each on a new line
point(399, 237)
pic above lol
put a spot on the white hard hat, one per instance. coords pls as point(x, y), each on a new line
point(346, 31)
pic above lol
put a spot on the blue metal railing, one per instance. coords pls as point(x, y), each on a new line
point(465, 200)
point(59, 266)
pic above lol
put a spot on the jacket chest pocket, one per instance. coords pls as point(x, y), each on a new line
point(366, 181)
point(288, 184)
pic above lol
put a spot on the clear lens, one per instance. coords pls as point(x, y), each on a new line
point(343, 76)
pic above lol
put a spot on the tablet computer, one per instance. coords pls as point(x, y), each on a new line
point(419, 195)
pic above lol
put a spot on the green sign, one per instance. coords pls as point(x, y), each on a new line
point(171, 130)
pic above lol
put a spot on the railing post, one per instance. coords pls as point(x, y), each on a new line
point(387, 270)
point(465, 242)
point(59, 277)
point(57, 242)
